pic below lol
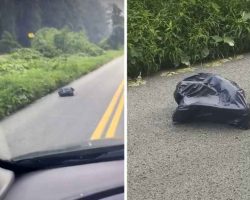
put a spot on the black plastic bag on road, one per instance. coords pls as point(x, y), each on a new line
point(67, 91)
point(209, 97)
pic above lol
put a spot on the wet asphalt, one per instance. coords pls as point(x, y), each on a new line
point(190, 161)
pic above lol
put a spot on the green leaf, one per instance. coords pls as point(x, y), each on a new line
point(217, 38)
point(229, 41)
point(245, 16)
point(215, 6)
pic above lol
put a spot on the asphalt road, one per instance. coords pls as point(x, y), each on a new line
point(192, 161)
point(53, 122)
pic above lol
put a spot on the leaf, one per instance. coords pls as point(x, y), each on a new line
point(168, 74)
point(136, 83)
point(229, 41)
point(245, 16)
point(159, 38)
point(213, 64)
point(217, 38)
point(215, 6)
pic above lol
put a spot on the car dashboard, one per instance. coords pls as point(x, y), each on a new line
point(102, 180)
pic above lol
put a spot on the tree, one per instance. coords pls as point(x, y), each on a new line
point(117, 17)
point(116, 39)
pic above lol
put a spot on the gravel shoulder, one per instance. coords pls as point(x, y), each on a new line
point(191, 161)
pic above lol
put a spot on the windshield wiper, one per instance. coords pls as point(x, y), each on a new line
point(62, 159)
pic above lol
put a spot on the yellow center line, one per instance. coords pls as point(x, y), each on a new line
point(105, 118)
point(113, 126)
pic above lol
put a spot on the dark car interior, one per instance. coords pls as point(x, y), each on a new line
point(81, 174)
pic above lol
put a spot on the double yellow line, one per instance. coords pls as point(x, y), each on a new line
point(110, 133)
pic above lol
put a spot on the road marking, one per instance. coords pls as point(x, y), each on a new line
point(113, 126)
point(105, 118)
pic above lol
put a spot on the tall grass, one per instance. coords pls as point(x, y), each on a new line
point(172, 33)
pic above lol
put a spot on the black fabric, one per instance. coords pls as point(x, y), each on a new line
point(68, 91)
point(210, 97)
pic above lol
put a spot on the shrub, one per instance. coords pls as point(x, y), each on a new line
point(44, 42)
point(51, 42)
point(75, 42)
point(181, 32)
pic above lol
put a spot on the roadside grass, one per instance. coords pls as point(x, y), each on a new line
point(22, 81)
point(172, 34)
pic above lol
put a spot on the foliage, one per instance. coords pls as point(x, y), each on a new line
point(44, 42)
point(24, 80)
point(181, 32)
point(52, 42)
point(75, 42)
point(25, 53)
point(8, 42)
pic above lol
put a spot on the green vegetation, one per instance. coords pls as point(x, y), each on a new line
point(51, 42)
point(174, 33)
point(25, 75)
point(46, 44)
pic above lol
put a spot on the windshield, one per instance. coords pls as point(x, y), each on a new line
point(61, 76)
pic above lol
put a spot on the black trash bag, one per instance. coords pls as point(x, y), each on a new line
point(67, 91)
point(209, 97)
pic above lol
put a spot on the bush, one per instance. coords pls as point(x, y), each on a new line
point(8, 43)
point(44, 42)
point(75, 42)
point(51, 42)
point(181, 32)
